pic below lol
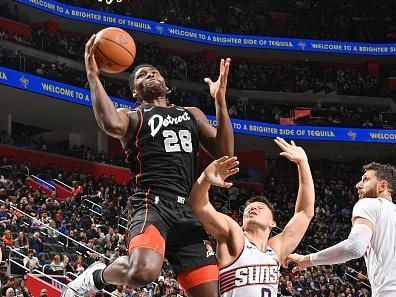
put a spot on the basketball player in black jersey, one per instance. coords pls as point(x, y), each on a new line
point(161, 142)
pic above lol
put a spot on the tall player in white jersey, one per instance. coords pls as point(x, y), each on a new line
point(248, 259)
point(373, 233)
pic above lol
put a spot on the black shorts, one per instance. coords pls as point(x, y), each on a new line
point(186, 242)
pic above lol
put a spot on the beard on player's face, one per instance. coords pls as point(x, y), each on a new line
point(370, 192)
point(151, 89)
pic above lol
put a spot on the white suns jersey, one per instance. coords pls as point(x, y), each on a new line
point(380, 256)
point(253, 274)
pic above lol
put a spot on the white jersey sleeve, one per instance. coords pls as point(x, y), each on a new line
point(381, 253)
point(369, 209)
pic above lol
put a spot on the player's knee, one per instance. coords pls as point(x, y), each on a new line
point(144, 267)
point(141, 274)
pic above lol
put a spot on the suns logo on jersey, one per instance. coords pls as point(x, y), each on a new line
point(256, 275)
point(249, 275)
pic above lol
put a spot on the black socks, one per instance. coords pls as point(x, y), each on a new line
point(98, 279)
point(99, 282)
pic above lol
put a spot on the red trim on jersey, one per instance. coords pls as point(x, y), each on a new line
point(147, 206)
point(138, 148)
point(197, 276)
point(221, 267)
point(151, 238)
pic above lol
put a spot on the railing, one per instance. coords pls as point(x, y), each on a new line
point(63, 184)
point(44, 182)
point(57, 232)
point(93, 205)
point(35, 271)
point(122, 219)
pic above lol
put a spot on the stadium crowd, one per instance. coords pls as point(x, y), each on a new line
point(293, 77)
point(101, 231)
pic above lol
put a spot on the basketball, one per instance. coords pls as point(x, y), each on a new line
point(115, 51)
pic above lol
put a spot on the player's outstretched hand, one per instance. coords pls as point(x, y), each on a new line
point(217, 172)
point(294, 153)
point(90, 64)
point(302, 262)
point(218, 88)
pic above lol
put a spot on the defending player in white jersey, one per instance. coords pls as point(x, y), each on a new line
point(373, 232)
point(248, 259)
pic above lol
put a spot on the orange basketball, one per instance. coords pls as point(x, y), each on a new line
point(116, 50)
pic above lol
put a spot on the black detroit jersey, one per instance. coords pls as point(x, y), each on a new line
point(163, 155)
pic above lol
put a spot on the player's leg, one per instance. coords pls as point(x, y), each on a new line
point(140, 268)
point(147, 230)
point(193, 260)
point(201, 281)
point(144, 263)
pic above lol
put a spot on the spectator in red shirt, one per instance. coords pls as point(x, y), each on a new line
point(7, 238)
point(77, 190)
point(59, 216)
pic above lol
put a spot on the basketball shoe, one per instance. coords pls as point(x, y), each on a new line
point(83, 285)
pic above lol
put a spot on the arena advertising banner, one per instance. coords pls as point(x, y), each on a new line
point(244, 41)
point(81, 96)
point(52, 88)
point(310, 132)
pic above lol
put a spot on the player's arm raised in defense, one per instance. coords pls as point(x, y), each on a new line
point(351, 248)
point(218, 142)
point(113, 122)
point(219, 225)
point(285, 242)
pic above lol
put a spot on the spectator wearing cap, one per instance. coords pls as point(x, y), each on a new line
point(63, 229)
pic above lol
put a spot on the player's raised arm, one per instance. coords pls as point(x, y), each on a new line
point(219, 225)
point(218, 142)
point(287, 241)
point(113, 122)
